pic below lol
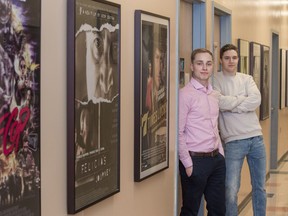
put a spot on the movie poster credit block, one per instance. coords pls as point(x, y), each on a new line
point(93, 109)
point(151, 135)
point(20, 107)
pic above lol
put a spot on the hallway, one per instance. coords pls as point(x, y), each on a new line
point(276, 187)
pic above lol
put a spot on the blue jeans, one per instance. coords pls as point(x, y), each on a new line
point(235, 151)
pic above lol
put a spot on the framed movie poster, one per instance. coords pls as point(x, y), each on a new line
point(20, 107)
point(244, 56)
point(93, 109)
point(265, 82)
point(255, 66)
point(282, 78)
point(151, 94)
point(181, 73)
point(255, 62)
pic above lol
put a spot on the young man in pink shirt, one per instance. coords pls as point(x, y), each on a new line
point(202, 163)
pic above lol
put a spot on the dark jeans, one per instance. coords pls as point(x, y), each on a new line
point(208, 178)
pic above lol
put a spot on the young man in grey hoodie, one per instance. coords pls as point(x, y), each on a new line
point(240, 131)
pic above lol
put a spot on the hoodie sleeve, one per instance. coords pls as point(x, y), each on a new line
point(227, 102)
point(253, 99)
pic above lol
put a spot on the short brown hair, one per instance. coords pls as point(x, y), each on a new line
point(226, 48)
point(200, 50)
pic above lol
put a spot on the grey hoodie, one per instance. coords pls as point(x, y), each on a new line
point(238, 102)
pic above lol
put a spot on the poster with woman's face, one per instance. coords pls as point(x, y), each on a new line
point(154, 73)
point(96, 102)
point(20, 107)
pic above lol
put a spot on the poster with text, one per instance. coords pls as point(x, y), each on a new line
point(20, 107)
point(151, 94)
point(93, 102)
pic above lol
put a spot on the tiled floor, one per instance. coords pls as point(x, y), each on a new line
point(277, 190)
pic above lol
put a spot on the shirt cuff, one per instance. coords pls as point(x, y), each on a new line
point(187, 163)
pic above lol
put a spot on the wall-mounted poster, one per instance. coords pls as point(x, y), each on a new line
point(244, 56)
point(216, 51)
point(255, 62)
point(255, 66)
point(265, 82)
point(20, 107)
point(93, 109)
point(181, 73)
point(282, 78)
point(151, 94)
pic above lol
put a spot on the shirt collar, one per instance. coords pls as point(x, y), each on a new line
point(200, 87)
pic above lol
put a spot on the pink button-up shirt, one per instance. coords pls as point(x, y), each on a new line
point(198, 121)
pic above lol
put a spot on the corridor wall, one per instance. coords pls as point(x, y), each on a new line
point(153, 196)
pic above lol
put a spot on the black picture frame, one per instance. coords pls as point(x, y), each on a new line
point(282, 86)
point(151, 134)
point(20, 108)
point(93, 102)
point(265, 82)
point(244, 56)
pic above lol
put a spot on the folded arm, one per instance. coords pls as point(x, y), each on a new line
point(247, 102)
point(253, 99)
